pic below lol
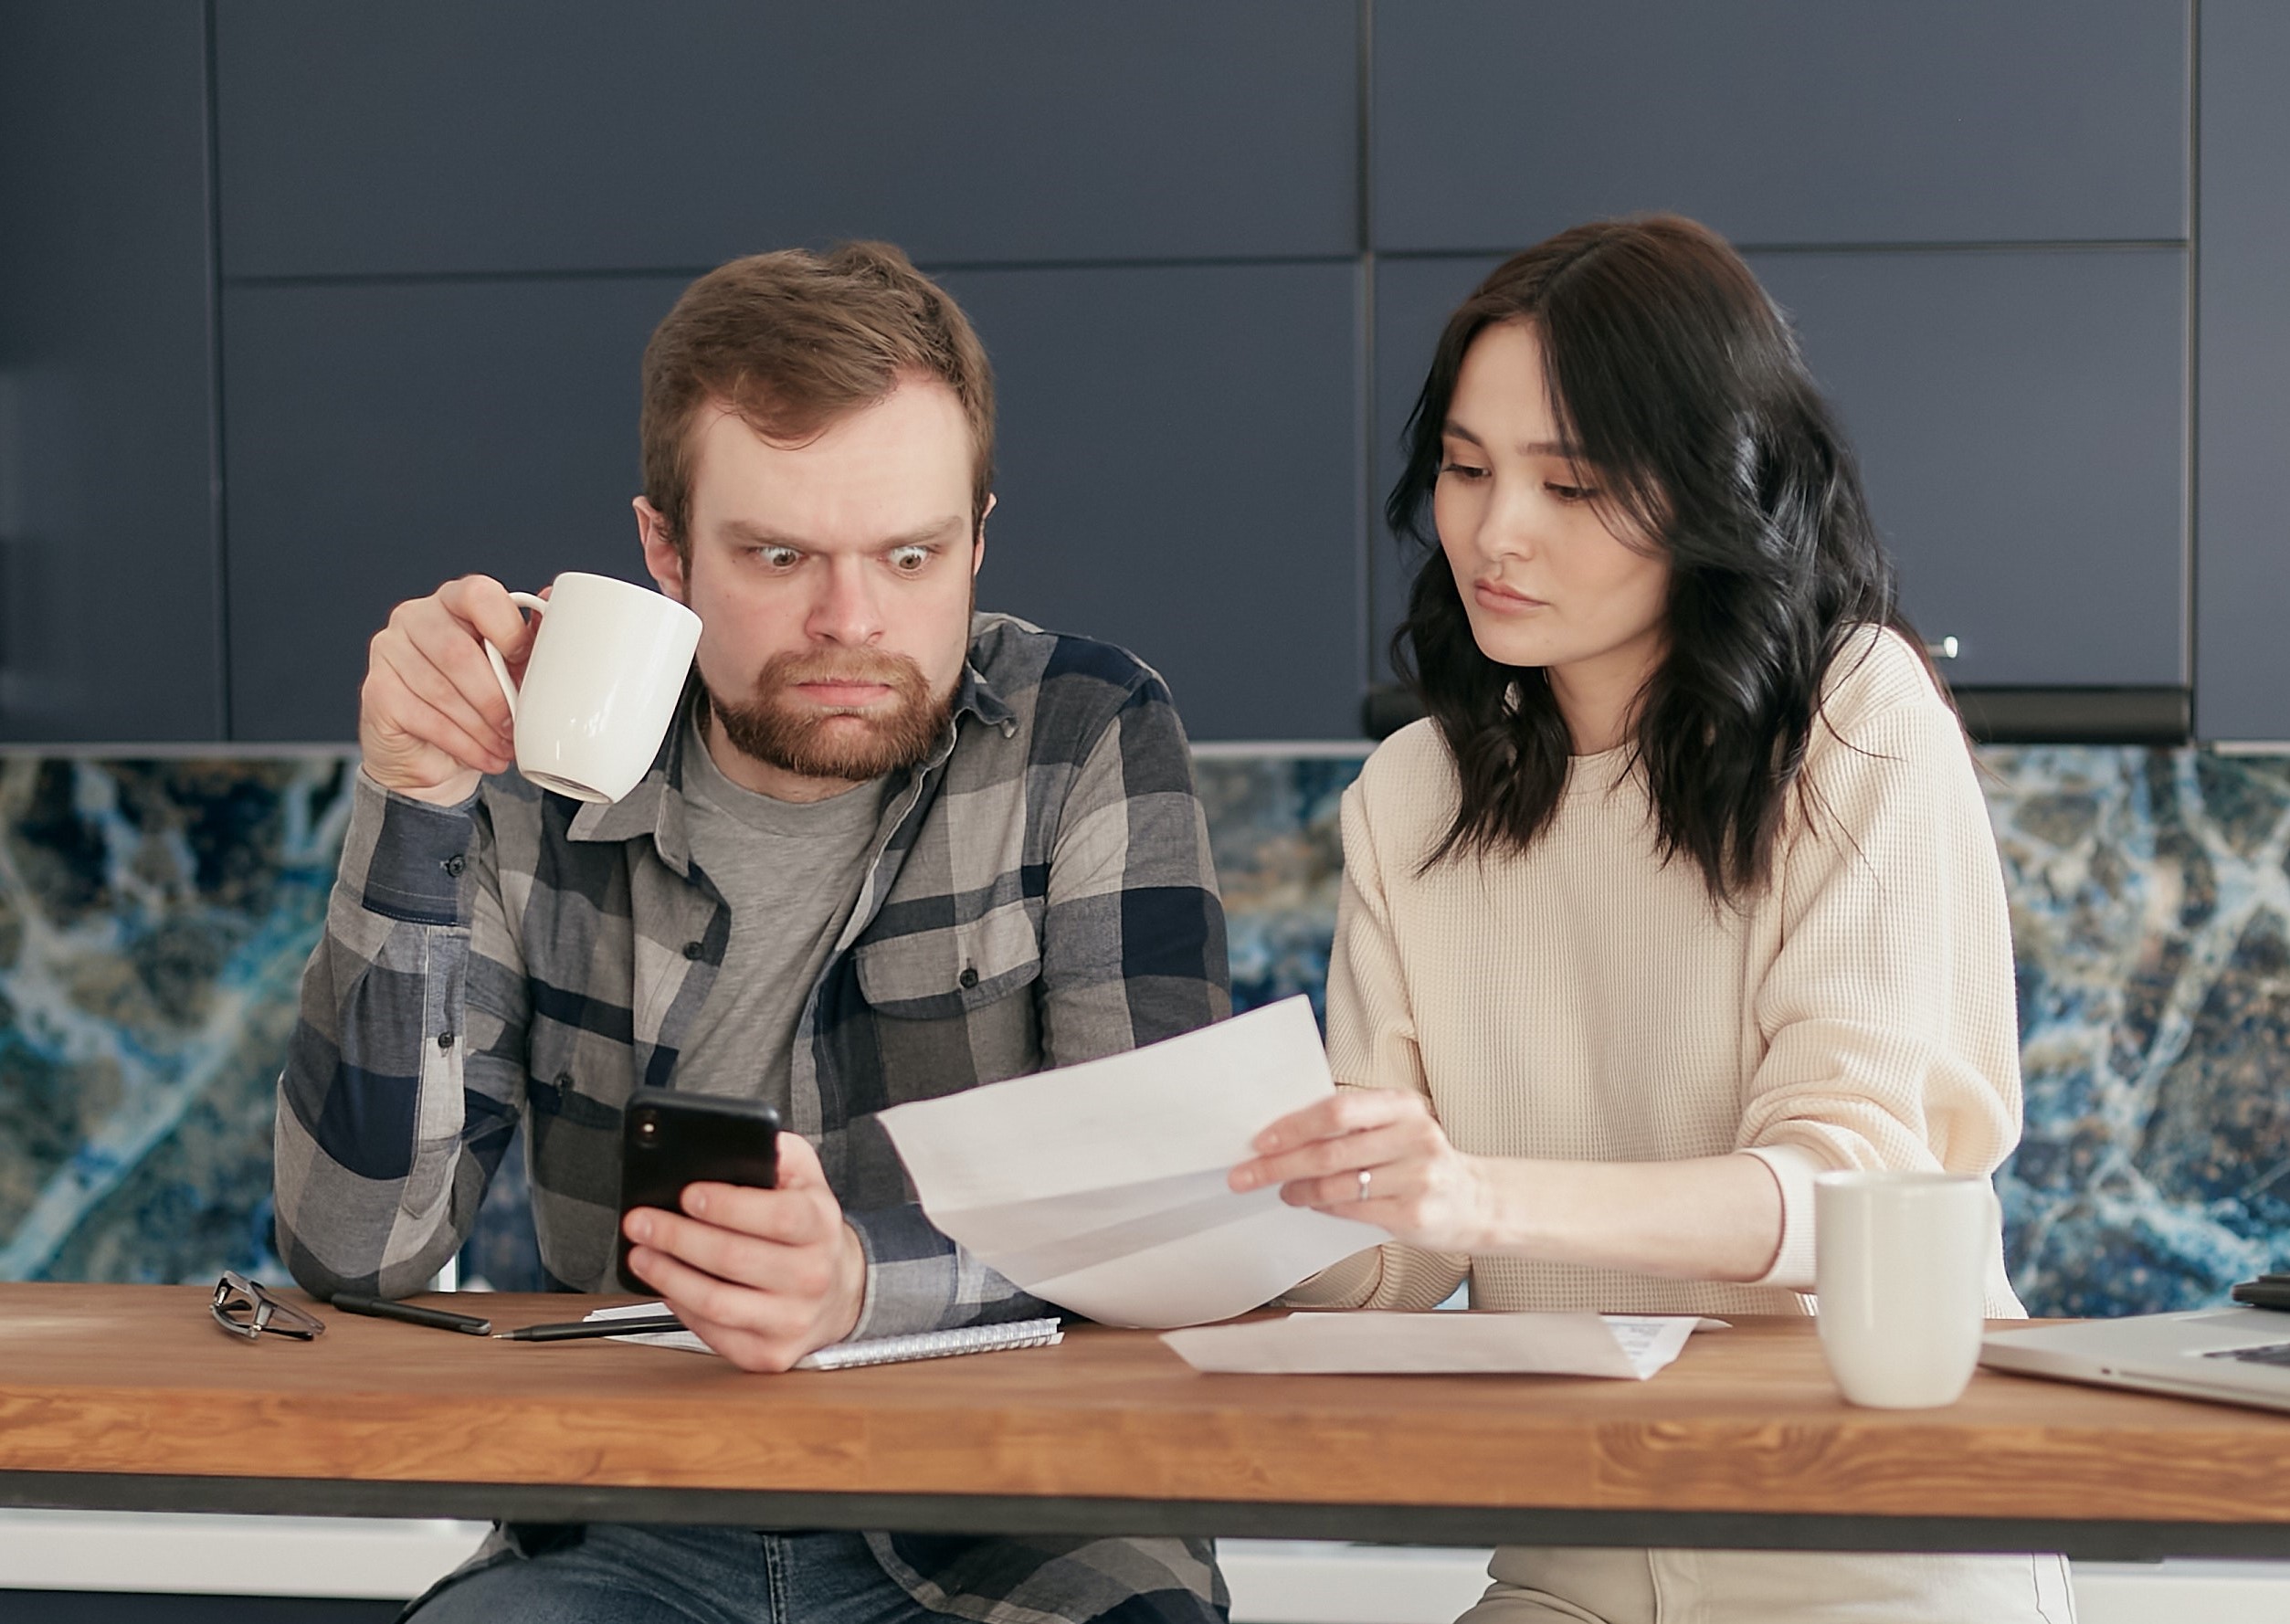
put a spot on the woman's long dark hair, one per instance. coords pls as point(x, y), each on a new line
point(1672, 371)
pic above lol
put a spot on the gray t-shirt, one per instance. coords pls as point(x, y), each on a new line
point(791, 873)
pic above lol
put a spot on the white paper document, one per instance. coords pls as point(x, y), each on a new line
point(1633, 1347)
point(1101, 1187)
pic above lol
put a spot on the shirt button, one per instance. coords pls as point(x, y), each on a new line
point(969, 976)
point(692, 949)
point(455, 864)
point(445, 1040)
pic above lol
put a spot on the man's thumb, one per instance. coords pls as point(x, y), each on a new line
point(799, 1164)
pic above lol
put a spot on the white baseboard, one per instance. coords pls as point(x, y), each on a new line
point(191, 1554)
point(2182, 1592)
point(1273, 1581)
point(1300, 1582)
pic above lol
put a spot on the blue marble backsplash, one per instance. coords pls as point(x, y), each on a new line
point(154, 917)
point(2151, 910)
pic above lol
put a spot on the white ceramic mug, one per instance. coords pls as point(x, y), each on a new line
point(600, 686)
point(1900, 1271)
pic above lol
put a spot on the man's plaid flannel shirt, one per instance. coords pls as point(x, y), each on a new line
point(1042, 895)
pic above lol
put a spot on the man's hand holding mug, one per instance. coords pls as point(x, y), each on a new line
point(431, 719)
point(459, 684)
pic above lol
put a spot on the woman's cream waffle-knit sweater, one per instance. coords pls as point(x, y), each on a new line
point(1583, 1001)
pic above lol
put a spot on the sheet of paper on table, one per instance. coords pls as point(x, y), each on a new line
point(1633, 1347)
point(1100, 1186)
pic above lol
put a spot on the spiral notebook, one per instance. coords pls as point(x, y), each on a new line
point(881, 1350)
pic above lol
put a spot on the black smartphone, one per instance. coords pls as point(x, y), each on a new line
point(670, 1139)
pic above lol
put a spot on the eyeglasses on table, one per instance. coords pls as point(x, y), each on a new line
point(245, 1309)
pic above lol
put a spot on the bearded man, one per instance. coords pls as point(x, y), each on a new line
point(891, 848)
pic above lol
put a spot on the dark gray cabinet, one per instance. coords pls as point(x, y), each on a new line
point(1180, 474)
point(555, 135)
point(2020, 420)
point(1496, 123)
point(2243, 489)
point(1196, 236)
point(110, 625)
point(384, 437)
point(1178, 471)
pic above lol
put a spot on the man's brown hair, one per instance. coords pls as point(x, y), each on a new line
point(794, 341)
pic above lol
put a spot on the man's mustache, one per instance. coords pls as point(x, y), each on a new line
point(891, 670)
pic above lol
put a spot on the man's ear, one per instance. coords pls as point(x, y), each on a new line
point(662, 558)
point(978, 540)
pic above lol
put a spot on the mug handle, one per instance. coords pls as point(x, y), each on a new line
point(500, 666)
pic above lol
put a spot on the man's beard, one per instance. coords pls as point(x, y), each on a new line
point(837, 744)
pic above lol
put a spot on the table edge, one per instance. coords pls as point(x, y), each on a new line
point(985, 1514)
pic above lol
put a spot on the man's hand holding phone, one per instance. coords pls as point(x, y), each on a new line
point(762, 1276)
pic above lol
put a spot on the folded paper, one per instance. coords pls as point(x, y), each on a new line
point(1100, 1186)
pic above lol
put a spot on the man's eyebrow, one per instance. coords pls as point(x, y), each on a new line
point(759, 536)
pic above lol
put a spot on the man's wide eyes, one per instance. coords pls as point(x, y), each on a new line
point(906, 560)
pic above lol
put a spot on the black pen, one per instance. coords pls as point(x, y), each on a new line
point(383, 1308)
point(575, 1330)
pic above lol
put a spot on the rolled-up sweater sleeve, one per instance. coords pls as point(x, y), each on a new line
point(1887, 1007)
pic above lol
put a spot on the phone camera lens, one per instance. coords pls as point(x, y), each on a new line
point(648, 1128)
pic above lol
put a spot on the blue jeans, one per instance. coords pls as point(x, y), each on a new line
point(630, 1574)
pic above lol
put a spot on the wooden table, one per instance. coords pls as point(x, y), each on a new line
point(128, 1397)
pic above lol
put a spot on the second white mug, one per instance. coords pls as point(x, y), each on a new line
point(1900, 1271)
point(609, 661)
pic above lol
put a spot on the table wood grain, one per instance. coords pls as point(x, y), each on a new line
point(137, 1380)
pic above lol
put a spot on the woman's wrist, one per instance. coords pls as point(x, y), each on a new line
point(1704, 1218)
point(1500, 1207)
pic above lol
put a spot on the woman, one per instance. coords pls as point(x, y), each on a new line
point(1681, 893)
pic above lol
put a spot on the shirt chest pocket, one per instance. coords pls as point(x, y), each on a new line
point(944, 974)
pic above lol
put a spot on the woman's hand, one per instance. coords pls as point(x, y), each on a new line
point(1377, 1155)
